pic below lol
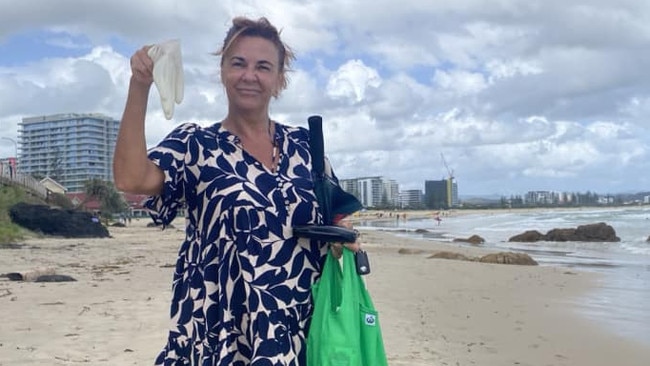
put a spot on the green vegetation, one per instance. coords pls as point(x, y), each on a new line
point(60, 200)
point(111, 203)
point(9, 196)
point(110, 199)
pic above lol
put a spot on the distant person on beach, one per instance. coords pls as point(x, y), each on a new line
point(241, 288)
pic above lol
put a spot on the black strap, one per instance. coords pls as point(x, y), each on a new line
point(317, 145)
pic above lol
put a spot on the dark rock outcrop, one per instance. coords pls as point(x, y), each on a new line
point(528, 236)
point(57, 222)
point(38, 275)
point(522, 259)
point(600, 232)
point(474, 239)
point(410, 251)
point(596, 232)
point(451, 255)
point(55, 278)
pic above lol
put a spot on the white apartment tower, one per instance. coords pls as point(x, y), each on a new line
point(373, 191)
point(69, 148)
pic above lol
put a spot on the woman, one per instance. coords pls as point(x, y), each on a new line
point(241, 288)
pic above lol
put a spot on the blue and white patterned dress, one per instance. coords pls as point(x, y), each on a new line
point(241, 287)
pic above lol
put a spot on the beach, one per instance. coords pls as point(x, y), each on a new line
point(432, 311)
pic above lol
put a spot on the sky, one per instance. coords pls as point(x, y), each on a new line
point(508, 96)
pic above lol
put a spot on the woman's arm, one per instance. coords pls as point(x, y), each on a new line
point(132, 170)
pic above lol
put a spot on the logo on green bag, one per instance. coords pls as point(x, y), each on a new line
point(371, 320)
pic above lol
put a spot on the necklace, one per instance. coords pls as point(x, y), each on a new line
point(274, 149)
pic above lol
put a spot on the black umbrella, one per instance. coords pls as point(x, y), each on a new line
point(333, 201)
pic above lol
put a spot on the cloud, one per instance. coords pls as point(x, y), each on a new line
point(351, 80)
point(516, 95)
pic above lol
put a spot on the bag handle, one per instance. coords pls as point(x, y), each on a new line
point(317, 144)
point(345, 282)
point(352, 281)
point(332, 276)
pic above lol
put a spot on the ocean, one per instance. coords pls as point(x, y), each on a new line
point(622, 300)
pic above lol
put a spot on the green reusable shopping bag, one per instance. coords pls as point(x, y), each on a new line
point(344, 328)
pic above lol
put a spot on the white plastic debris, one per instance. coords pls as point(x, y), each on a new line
point(168, 74)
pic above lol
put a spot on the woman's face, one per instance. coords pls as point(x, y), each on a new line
point(250, 71)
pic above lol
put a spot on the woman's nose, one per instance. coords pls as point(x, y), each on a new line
point(249, 73)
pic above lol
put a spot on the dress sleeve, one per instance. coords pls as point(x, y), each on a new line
point(171, 156)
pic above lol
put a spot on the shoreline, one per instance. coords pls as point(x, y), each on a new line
point(432, 311)
point(616, 301)
point(543, 323)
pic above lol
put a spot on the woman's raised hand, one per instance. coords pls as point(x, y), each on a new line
point(142, 67)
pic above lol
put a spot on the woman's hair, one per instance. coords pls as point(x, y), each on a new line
point(245, 27)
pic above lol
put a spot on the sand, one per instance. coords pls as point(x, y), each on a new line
point(432, 311)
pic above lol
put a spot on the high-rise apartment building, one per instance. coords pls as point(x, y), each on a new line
point(411, 198)
point(373, 192)
point(69, 148)
point(440, 194)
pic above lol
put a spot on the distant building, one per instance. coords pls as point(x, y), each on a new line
point(133, 201)
point(53, 186)
point(136, 208)
point(80, 201)
point(69, 148)
point(370, 190)
point(373, 192)
point(10, 164)
point(412, 198)
point(390, 196)
point(542, 198)
point(440, 194)
point(350, 186)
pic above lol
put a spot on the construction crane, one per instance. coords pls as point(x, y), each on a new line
point(450, 181)
point(450, 177)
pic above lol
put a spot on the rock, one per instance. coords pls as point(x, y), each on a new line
point(410, 251)
point(13, 276)
point(57, 222)
point(38, 275)
point(528, 237)
point(600, 232)
point(451, 255)
point(508, 258)
point(55, 278)
point(29, 276)
point(596, 232)
point(474, 239)
point(560, 235)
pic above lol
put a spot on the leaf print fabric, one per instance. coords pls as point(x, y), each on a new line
point(241, 286)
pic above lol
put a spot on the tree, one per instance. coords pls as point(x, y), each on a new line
point(111, 201)
point(56, 165)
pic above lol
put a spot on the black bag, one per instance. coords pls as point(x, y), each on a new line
point(332, 199)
